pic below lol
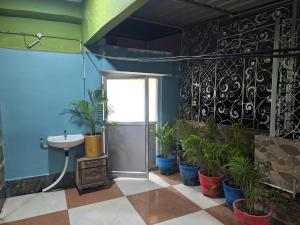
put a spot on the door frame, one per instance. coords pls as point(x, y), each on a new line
point(134, 75)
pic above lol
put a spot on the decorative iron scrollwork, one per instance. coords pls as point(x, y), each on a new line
point(238, 89)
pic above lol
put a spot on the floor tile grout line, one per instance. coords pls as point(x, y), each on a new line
point(137, 211)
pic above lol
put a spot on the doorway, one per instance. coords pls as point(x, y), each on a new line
point(133, 106)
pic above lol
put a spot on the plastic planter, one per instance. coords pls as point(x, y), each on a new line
point(244, 218)
point(211, 186)
point(231, 194)
point(189, 175)
point(166, 166)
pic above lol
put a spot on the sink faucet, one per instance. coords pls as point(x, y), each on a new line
point(65, 134)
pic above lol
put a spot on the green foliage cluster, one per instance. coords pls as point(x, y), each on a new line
point(166, 136)
point(235, 157)
point(205, 148)
point(89, 112)
point(192, 146)
point(213, 157)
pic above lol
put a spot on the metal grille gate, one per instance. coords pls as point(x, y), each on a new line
point(238, 88)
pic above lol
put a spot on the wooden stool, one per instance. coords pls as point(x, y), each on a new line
point(91, 172)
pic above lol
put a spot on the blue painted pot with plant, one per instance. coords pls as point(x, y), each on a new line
point(231, 193)
point(239, 165)
point(191, 147)
point(166, 162)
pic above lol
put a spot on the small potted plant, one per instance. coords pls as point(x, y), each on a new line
point(211, 175)
point(166, 162)
point(88, 113)
point(254, 208)
point(192, 155)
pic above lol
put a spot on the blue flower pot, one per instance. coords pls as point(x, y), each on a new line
point(189, 175)
point(166, 166)
point(231, 194)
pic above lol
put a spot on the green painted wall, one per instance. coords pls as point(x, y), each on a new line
point(57, 10)
point(87, 22)
point(101, 16)
point(33, 26)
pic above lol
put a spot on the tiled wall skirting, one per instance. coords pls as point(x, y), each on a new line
point(36, 184)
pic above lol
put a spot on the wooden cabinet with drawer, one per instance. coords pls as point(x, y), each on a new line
point(92, 172)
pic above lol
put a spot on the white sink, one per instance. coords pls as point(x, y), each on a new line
point(67, 142)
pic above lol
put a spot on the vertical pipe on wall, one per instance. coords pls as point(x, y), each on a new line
point(84, 73)
point(275, 66)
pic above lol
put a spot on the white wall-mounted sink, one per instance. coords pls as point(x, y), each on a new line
point(65, 142)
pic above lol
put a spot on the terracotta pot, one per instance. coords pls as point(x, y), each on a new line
point(244, 218)
point(211, 186)
point(93, 146)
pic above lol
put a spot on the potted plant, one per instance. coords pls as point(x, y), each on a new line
point(211, 175)
point(88, 113)
point(254, 208)
point(192, 155)
point(237, 168)
point(184, 129)
point(166, 162)
point(239, 164)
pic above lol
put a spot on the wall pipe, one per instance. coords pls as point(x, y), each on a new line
point(284, 53)
point(34, 35)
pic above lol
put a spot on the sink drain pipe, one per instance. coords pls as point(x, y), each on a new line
point(61, 175)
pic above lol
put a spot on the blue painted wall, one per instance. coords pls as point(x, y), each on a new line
point(35, 87)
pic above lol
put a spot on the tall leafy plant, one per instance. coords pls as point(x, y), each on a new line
point(89, 111)
point(240, 170)
point(166, 135)
point(239, 146)
point(249, 175)
point(213, 151)
point(212, 131)
point(213, 157)
point(192, 146)
point(254, 191)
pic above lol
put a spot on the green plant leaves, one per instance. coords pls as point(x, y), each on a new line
point(166, 136)
point(192, 149)
point(89, 112)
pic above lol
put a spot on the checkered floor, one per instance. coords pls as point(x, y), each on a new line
point(162, 200)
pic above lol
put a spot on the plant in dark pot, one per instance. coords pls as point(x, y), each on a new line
point(192, 155)
point(238, 168)
point(184, 129)
point(211, 175)
point(89, 113)
point(240, 162)
point(166, 161)
point(254, 208)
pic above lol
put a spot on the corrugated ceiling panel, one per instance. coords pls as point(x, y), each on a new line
point(176, 12)
point(186, 12)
